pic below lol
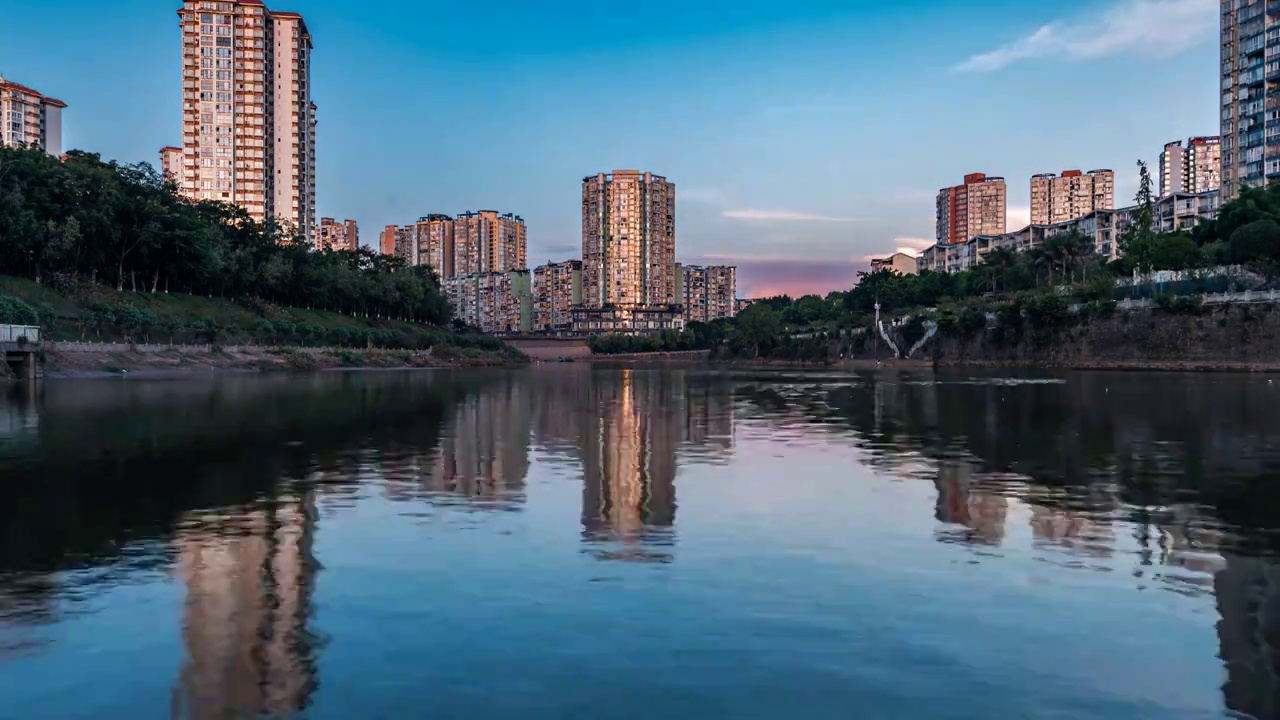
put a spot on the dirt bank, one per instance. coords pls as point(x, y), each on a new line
point(63, 362)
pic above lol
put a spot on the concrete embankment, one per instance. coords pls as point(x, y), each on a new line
point(1229, 337)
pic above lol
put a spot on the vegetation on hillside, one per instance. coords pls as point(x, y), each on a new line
point(84, 221)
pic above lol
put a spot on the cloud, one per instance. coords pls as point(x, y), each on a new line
point(784, 216)
point(1017, 217)
point(1160, 28)
point(765, 276)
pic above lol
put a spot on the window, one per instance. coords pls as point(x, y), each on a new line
point(224, 42)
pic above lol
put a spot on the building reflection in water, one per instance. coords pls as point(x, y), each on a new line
point(250, 577)
point(970, 514)
point(629, 469)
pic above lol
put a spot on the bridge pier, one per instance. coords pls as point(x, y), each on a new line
point(24, 364)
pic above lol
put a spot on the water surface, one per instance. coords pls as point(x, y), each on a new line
point(578, 542)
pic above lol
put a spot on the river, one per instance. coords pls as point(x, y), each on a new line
point(577, 541)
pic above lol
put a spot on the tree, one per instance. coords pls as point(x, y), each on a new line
point(757, 324)
point(1137, 241)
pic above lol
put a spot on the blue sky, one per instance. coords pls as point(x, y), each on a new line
point(802, 136)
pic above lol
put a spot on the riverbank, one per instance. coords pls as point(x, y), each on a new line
point(70, 360)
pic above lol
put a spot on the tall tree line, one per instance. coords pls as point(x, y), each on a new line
point(81, 219)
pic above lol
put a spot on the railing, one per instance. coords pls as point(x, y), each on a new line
point(13, 333)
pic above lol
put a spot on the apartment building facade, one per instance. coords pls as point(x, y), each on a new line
point(628, 240)
point(171, 165)
point(397, 241)
point(1106, 228)
point(28, 118)
point(498, 303)
point(1056, 199)
point(557, 289)
point(899, 262)
point(707, 293)
point(248, 121)
point(333, 235)
point(488, 241)
point(1250, 77)
point(976, 207)
point(1195, 168)
point(433, 239)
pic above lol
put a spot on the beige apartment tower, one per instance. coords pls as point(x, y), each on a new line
point(1074, 194)
point(334, 235)
point(29, 118)
point(628, 240)
point(708, 293)
point(1196, 168)
point(433, 237)
point(171, 165)
point(975, 208)
point(487, 242)
point(248, 122)
point(557, 289)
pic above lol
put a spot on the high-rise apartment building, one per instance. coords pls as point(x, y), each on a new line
point(397, 241)
point(473, 243)
point(1056, 199)
point(1196, 168)
point(171, 165)
point(487, 241)
point(1250, 121)
point(29, 118)
point(433, 237)
point(494, 302)
point(1173, 168)
point(248, 122)
point(333, 235)
point(557, 289)
point(707, 293)
point(628, 240)
point(975, 208)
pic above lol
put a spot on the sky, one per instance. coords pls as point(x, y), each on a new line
point(803, 136)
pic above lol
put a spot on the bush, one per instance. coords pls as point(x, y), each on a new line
point(1181, 304)
point(15, 311)
point(1047, 311)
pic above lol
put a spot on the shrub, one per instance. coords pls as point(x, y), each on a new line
point(1181, 304)
point(1047, 311)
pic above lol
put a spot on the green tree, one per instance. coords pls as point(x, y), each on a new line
point(758, 324)
point(1138, 241)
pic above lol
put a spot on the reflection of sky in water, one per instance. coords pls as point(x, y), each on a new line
point(609, 544)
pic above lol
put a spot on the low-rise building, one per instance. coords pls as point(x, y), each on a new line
point(740, 304)
point(557, 289)
point(498, 303)
point(333, 235)
point(708, 293)
point(1106, 228)
point(630, 320)
point(899, 262)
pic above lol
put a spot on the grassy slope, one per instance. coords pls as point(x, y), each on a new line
point(239, 320)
